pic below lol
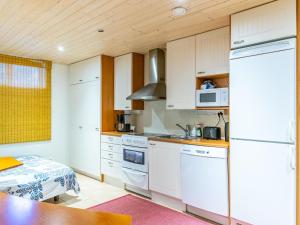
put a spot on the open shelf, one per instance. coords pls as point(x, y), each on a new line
point(221, 80)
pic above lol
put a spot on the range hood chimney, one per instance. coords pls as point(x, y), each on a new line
point(156, 89)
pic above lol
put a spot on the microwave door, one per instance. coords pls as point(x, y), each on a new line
point(208, 98)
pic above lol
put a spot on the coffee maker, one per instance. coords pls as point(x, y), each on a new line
point(122, 125)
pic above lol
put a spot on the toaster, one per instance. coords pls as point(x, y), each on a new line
point(213, 133)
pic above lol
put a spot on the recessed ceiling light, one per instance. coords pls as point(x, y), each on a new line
point(179, 11)
point(100, 30)
point(60, 48)
point(181, 1)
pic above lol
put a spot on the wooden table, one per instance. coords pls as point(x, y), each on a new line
point(19, 211)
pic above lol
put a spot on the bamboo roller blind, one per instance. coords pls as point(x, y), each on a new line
point(25, 100)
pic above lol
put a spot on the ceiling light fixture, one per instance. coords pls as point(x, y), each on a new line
point(60, 48)
point(179, 11)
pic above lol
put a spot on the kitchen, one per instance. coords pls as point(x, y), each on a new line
point(166, 112)
point(188, 83)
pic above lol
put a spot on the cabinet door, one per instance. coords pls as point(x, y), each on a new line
point(85, 71)
point(181, 78)
point(85, 127)
point(164, 168)
point(212, 52)
point(263, 183)
point(272, 21)
point(123, 82)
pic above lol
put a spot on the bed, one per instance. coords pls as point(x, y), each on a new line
point(38, 179)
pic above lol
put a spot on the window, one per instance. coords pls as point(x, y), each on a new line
point(25, 100)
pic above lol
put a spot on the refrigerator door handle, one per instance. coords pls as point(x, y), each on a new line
point(292, 131)
point(292, 158)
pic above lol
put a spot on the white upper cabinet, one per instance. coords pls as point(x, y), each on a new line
point(212, 52)
point(180, 79)
point(164, 168)
point(123, 82)
point(85, 71)
point(272, 21)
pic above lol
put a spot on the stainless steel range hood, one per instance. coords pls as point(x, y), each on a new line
point(156, 89)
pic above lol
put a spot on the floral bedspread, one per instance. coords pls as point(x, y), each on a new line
point(38, 179)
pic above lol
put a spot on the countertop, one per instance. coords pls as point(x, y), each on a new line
point(114, 133)
point(199, 141)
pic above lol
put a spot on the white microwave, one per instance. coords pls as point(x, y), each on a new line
point(212, 97)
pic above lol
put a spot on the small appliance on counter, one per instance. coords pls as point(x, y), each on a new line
point(122, 124)
point(213, 133)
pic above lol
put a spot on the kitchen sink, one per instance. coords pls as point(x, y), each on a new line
point(178, 137)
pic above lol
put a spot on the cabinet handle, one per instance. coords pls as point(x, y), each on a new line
point(110, 147)
point(238, 42)
point(201, 72)
point(80, 80)
point(152, 144)
point(97, 129)
point(110, 139)
point(110, 164)
point(80, 127)
point(170, 106)
point(126, 107)
point(97, 77)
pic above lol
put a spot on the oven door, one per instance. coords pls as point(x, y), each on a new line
point(208, 98)
point(135, 158)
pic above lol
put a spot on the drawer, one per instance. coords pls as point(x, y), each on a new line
point(111, 139)
point(111, 168)
point(111, 147)
point(111, 156)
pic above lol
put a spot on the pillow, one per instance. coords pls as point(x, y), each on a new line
point(9, 162)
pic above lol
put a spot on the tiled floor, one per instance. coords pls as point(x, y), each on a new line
point(92, 193)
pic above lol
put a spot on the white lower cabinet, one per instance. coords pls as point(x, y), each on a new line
point(111, 156)
point(164, 168)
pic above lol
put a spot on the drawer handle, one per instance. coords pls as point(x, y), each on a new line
point(238, 42)
point(126, 107)
point(110, 164)
point(201, 72)
point(170, 106)
point(80, 80)
point(111, 155)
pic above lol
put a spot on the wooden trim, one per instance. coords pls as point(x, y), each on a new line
point(137, 78)
point(298, 117)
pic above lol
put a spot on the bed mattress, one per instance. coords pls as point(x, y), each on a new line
point(38, 179)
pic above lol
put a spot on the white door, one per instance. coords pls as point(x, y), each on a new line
point(272, 21)
point(85, 127)
point(262, 96)
point(263, 189)
point(164, 168)
point(181, 77)
point(123, 82)
point(212, 52)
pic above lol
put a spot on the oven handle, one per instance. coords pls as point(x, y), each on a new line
point(133, 171)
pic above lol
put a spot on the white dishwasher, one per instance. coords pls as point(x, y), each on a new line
point(204, 179)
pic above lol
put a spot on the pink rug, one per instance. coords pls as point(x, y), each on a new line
point(144, 212)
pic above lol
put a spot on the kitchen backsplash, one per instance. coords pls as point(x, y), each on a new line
point(157, 119)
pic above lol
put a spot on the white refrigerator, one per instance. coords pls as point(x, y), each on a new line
point(262, 131)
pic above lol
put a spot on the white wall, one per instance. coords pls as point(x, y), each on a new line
point(156, 119)
point(57, 148)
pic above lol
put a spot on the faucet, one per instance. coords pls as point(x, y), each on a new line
point(186, 130)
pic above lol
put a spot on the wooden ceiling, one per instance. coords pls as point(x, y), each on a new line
point(35, 28)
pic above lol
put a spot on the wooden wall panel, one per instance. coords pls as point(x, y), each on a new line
point(108, 114)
